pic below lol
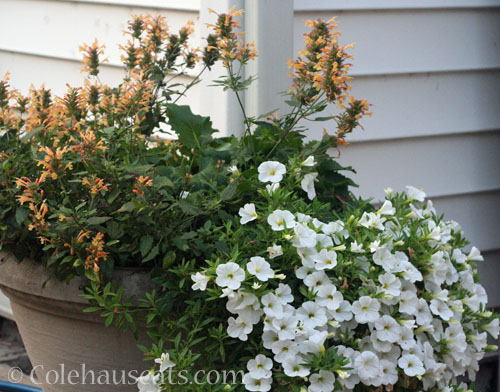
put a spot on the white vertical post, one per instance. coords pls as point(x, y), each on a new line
point(222, 106)
point(270, 24)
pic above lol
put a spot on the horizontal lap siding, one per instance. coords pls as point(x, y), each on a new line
point(441, 165)
point(488, 274)
point(432, 72)
point(39, 40)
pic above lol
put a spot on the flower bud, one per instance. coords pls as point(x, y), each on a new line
point(491, 348)
point(342, 374)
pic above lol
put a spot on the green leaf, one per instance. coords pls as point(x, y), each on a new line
point(229, 191)
point(189, 208)
point(21, 215)
point(98, 220)
point(139, 169)
point(161, 181)
point(145, 244)
point(154, 252)
point(113, 195)
point(194, 131)
point(127, 207)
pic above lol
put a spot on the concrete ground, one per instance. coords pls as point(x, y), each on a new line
point(13, 357)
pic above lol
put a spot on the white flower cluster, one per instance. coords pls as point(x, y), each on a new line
point(390, 290)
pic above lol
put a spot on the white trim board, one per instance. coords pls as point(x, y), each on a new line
point(364, 5)
point(5, 309)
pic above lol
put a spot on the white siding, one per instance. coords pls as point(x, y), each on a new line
point(431, 69)
point(39, 39)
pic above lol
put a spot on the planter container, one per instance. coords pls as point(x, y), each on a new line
point(71, 350)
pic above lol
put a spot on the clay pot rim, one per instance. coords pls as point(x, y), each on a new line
point(29, 277)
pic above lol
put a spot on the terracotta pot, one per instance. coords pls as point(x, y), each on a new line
point(71, 350)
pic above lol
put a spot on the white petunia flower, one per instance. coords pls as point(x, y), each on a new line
point(284, 293)
point(391, 285)
point(148, 383)
point(274, 251)
point(281, 220)
point(423, 314)
point(307, 185)
point(343, 312)
point(284, 350)
point(493, 328)
point(260, 268)
point(374, 246)
point(386, 209)
point(285, 327)
point(229, 275)
point(164, 362)
point(366, 310)
point(309, 161)
point(316, 280)
point(388, 329)
point(304, 236)
point(441, 309)
point(257, 384)
point(271, 188)
point(408, 302)
point(475, 255)
point(324, 381)
point(372, 220)
point(293, 367)
point(329, 297)
point(389, 372)
point(272, 305)
point(260, 367)
point(357, 248)
point(368, 366)
point(271, 171)
point(325, 259)
point(312, 315)
point(415, 194)
point(200, 281)
point(239, 328)
point(247, 213)
point(385, 259)
point(411, 365)
point(233, 170)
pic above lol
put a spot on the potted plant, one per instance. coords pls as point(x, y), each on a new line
point(223, 254)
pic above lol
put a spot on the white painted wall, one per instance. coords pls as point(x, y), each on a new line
point(431, 69)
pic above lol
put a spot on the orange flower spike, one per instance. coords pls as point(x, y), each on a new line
point(91, 60)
